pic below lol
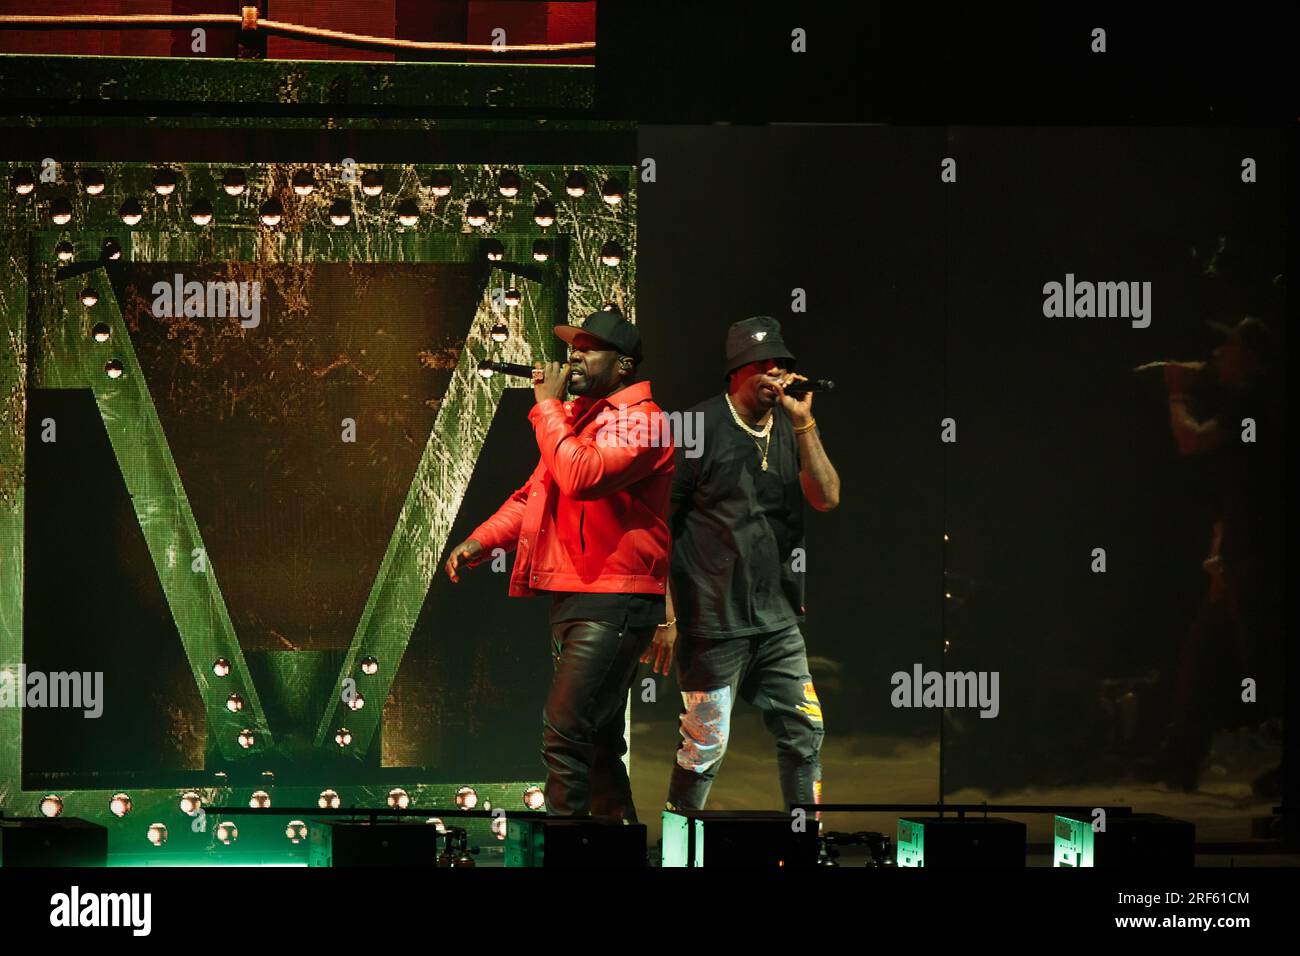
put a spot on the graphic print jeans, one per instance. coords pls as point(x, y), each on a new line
point(769, 671)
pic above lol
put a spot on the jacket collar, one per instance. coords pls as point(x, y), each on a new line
point(633, 394)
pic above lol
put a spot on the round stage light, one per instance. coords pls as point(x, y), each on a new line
point(611, 254)
point(234, 182)
point(440, 183)
point(613, 191)
point(343, 737)
point(372, 182)
point(113, 368)
point(356, 702)
point(513, 297)
point(467, 798)
point(534, 799)
point(304, 182)
point(370, 666)
point(60, 212)
point(542, 250)
point(101, 332)
point(221, 667)
point(508, 183)
point(398, 799)
point(157, 834)
point(111, 250)
point(575, 184)
point(23, 182)
point(408, 213)
point(437, 822)
point(130, 212)
point(260, 800)
point(191, 803)
point(234, 703)
point(51, 805)
point(483, 369)
point(500, 332)
point(271, 213)
point(227, 832)
point(201, 212)
point(499, 827)
point(296, 831)
point(92, 181)
point(89, 296)
point(120, 805)
point(164, 182)
point(328, 800)
point(247, 739)
point(544, 213)
point(64, 251)
point(476, 213)
point(494, 250)
point(340, 212)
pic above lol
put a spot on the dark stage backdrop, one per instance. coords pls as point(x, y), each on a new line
point(925, 300)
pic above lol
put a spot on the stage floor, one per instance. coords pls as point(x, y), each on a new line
point(867, 769)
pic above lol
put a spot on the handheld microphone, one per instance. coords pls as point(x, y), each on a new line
point(812, 385)
point(486, 368)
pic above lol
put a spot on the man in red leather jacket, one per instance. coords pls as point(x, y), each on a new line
point(591, 528)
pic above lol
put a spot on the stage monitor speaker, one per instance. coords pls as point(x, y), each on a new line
point(63, 841)
point(352, 843)
point(960, 842)
point(1138, 840)
point(574, 843)
point(738, 838)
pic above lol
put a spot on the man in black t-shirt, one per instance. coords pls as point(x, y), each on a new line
point(736, 595)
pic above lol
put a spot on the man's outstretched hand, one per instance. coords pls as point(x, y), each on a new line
point(467, 551)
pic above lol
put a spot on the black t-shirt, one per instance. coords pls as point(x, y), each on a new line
point(634, 610)
point(735, 529)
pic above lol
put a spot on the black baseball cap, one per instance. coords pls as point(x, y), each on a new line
point(753, 339)
point(610, 327)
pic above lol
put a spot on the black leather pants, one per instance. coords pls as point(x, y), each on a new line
point(582, 735)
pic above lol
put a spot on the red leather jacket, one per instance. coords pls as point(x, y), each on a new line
point(594, 514)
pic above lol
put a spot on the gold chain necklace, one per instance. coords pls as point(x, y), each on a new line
point(754, 433)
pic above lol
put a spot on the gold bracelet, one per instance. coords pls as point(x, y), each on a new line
point(812, 424)
point(667, 623)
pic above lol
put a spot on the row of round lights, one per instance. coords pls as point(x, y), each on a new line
point(191, 802)
point(343, 736)
point(296, 830)
point(271, 211)
point(235, 183)
point(111, 250)
point(101, 333)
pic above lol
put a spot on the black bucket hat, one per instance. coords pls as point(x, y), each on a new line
point(754, 339)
